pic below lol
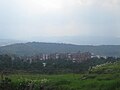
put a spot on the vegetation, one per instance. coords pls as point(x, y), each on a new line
point(94, 74)
point(33, 48)
point(51, 67)
point(102, 77)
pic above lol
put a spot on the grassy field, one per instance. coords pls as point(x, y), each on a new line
point(102, 77)
point(69, 81)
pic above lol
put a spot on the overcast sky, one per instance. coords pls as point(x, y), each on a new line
point(67, 21)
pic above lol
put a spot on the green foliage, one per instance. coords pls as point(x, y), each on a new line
point(104, 74)
point(53, 66)
point(106, 68)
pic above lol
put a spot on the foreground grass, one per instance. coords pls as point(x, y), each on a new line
point(69, 81)
point(103, 77)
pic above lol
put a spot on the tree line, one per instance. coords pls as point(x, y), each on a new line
point(50, 66)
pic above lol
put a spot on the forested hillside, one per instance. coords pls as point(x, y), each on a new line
point(33, 48)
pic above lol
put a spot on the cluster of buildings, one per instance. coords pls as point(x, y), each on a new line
point(76, 57)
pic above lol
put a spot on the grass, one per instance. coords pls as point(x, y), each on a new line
point(98, 78)
point(70, 81)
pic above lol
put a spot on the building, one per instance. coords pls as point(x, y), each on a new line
point(76, 57)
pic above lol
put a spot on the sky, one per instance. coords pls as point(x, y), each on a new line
point(91, 22)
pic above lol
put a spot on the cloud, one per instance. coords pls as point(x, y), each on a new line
point(90, 18)
point(47, 6)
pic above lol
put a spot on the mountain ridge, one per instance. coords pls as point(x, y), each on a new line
point(33, 48)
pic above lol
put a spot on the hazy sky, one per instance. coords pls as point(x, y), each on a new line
point(67, 21)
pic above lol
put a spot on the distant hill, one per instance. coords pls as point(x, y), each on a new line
point(32, 48)
point(4, 42)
